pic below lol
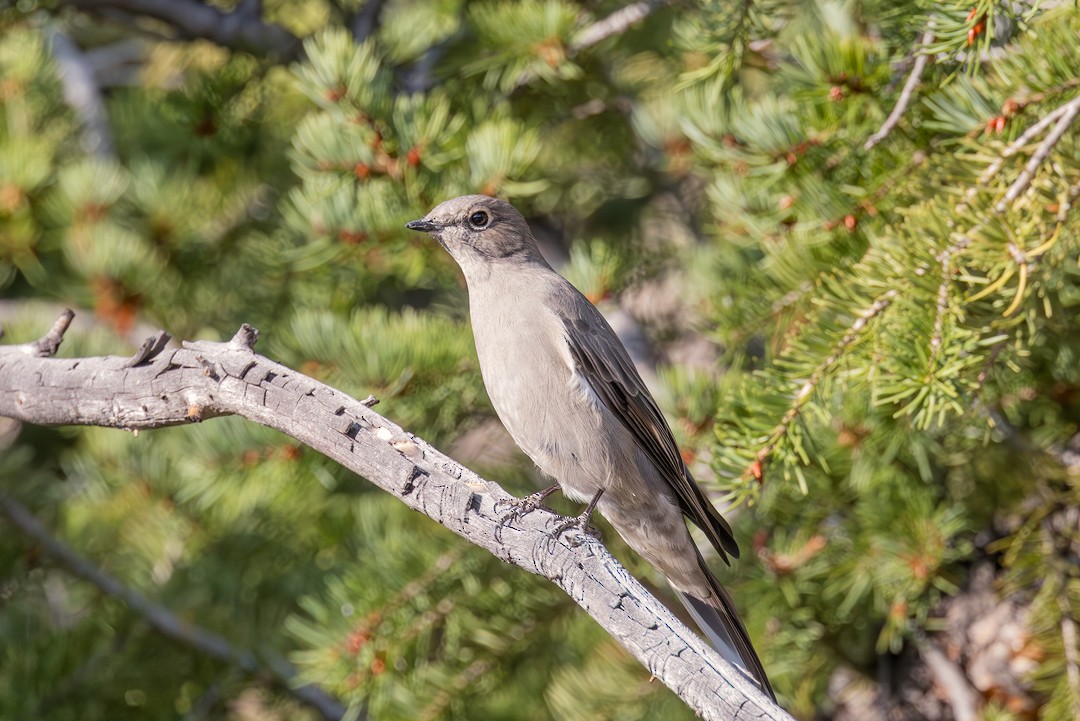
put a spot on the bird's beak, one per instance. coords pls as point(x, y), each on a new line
point(424, 226)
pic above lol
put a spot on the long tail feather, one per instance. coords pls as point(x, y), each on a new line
point(721, 625)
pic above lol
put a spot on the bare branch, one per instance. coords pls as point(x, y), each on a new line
point(908, 90)
point(203, 380)
point(242, 29)
point(164, 621)
point(615, 23)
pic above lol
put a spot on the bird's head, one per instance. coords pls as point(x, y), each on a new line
point(480, 230)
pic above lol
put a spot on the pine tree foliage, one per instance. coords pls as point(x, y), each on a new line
point(890, 399)
point(905, 319)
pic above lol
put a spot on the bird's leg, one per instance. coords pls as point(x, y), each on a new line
point(581, 521)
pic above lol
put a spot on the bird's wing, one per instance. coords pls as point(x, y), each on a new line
point(600, 358)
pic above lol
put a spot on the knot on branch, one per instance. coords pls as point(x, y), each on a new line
point(246, 337)
point(149, 350)
point(47, 345)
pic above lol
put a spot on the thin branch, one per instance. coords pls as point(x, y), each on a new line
point(1014, 147)
point(241, 29)
point(161, 619)
point(941, 306)
point(807, 389)
point(615, 23)
point(1072, 108)
point(921, 59)
point(204, 380)
point(82, 93)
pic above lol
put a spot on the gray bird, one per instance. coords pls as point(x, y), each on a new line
point(565, 388)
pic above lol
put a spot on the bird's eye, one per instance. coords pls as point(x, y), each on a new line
point(479, 219)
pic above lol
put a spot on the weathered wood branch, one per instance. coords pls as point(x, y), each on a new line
point(167, 387)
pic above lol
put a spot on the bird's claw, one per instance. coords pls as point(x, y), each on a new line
point(581, 523)
point(520, 507)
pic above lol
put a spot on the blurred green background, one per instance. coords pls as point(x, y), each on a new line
point(858, 348)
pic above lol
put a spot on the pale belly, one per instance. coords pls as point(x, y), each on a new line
point(543, 405)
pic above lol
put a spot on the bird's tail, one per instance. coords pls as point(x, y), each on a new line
point(721, 625)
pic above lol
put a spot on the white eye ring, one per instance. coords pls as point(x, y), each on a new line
point(479, 220)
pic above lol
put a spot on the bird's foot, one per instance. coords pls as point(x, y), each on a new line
point(524, 506)
point(520, 507)
point(581, 523)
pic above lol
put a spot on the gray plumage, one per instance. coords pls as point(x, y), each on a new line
point(565, 388)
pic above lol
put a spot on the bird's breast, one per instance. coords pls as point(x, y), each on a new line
point(549, 410)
